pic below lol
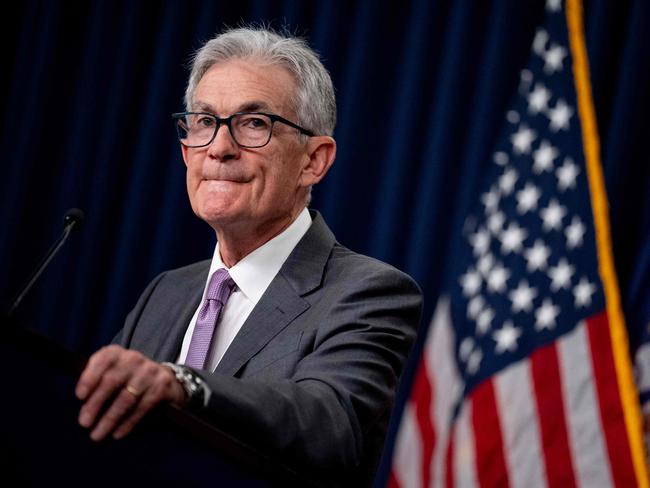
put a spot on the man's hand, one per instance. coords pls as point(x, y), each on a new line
point(134, 383)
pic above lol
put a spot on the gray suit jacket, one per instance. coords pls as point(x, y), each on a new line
point(311, 376)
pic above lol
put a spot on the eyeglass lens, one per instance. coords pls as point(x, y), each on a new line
point(248, 130)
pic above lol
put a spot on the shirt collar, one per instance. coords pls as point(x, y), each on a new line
point(254, 273)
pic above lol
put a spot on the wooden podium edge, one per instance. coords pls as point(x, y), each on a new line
point(72, 363)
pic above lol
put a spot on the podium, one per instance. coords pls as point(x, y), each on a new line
point(42, 444)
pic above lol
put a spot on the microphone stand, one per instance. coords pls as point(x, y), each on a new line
point(72, 221)
point(33, 342)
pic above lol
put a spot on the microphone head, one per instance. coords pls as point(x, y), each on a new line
point(74, 217)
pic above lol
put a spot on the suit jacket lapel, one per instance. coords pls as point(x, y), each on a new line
point(272, 313)
point(282, 302)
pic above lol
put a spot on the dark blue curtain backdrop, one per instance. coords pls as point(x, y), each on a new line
point(88, 89)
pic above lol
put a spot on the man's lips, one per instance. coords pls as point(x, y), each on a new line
point(228, 179)
point(222, 184)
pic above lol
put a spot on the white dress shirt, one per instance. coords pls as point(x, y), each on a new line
point(252, 275)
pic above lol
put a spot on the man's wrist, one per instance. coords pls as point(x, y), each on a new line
point(196, 391)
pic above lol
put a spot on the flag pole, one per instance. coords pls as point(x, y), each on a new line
point(599, 205)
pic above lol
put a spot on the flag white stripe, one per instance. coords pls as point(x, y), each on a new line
point(518, 417)
point(407, 460)
point(585, 430)
point(464, 463)
point(642, 359)
point(447, 384)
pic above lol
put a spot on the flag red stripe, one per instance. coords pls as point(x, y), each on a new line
point(547, 384)
point(611, 409)
point(449, 460)
point(490, 460)
point(392, 480)
point(423, 397)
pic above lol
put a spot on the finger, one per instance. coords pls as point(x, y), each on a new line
point(130, 420)
point(128, 400)
point(116, 365)
point(110, 383)
point(99, 362)
point(161, 388)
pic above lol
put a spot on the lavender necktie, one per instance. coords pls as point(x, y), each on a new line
point(219, 289)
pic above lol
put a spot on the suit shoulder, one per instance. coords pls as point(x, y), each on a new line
point(188, 271)
point(173, 282)
point(345, 262)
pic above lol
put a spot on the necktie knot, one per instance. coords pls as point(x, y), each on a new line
point(220, 287)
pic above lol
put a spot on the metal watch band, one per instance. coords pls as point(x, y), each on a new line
point(191, 383)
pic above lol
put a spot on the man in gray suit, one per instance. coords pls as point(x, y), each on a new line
point(284, 338)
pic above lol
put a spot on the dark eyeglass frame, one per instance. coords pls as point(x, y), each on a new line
point(228, 121)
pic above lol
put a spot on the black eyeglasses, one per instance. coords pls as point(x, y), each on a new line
point(248, 129)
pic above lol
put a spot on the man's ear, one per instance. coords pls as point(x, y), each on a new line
point(321, 151)
point(184, 152)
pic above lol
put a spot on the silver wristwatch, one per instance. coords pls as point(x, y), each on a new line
point(192, 383)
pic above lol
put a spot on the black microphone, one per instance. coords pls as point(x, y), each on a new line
point(72, 221)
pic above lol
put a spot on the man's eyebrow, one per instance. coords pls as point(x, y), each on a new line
point(203, 107)
point(252, 106)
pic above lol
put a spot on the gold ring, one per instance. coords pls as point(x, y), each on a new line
point(133, 391)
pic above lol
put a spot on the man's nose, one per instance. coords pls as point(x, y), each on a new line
point(223, 145)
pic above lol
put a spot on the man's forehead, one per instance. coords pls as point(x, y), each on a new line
point(244, 85)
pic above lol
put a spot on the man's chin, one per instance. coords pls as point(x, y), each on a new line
point(219, 217)
point(215, 202)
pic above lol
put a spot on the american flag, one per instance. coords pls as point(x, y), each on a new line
point(524, 380)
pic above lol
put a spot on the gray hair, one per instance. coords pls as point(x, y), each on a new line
point(315, 104)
